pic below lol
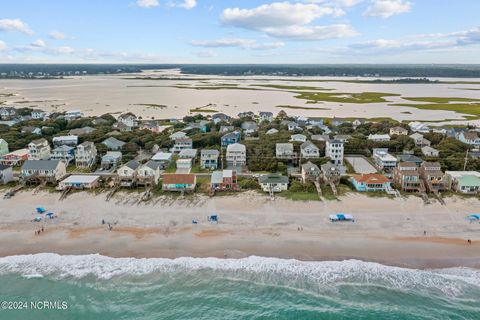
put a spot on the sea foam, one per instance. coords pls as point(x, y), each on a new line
point(452, 281)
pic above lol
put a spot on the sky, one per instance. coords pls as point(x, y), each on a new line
point(242, 31)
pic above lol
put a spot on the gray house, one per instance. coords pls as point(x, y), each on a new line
point(113, 144)
point(6, 174)
point(209, 159)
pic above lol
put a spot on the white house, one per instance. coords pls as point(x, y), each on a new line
point(265, 116)
point(3, 147)
point(85, 155)
point(236, 154)
point(6, 174)
point(181, 144)
point(273, 183)
point(50, 170)
point(39, 150)
point(298, 138)
point(430, 152)
point(73, 114)
point(416, 126)
point(148, 174)
point(384, 160)
point(419, 140)
point(128, 119)
point(177, 135)
point(334, 150)
point(284, 151)
point(271, 131)
point(309, 150)
point(470, 138)
point(128, 173)
point(209, 159)
point(39, 115)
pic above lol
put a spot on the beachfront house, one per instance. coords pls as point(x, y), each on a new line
point(122, 127)
point(273, 182)
point(63, 153)
point(128, 119)
point(298, 138)
point(164, 159)
point(398, 131)
point(39, 150)
point(236, 155)
point(334, 150)
point(37, 114)
point(384, 160)
point(113, 144)
point(406, 177)
point(14, 158)
point(49, 171)
point(265, 116)
point(85, 155)
point(331, 173)
point(209, 159)
point(430, 152)
point(225, 129)
point(219, 117)
point(309, 150)
point(73, 114)
point(433, 177)
point(466, 182)
point(148, 174)
point(7, 113)
point(111, 160)
point(181, 144)
point(225, 180)
point(310, 172)
point(371, 182)
point(320, 137)
point(6, 174)
point(179, 182)
point(127, 174)
point(284, 151)
point(3, 147)
point(80, 182)
point(230, 138)
point(470, 138)
point(379, 137)
point(65, 141)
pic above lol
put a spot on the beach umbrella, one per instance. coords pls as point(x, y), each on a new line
point(474, 217)
point(41, 210)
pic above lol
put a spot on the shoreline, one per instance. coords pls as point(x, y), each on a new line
point(387, 231)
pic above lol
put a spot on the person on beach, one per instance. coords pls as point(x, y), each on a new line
point(42, 229)
point(424, 233)
point(469, 241)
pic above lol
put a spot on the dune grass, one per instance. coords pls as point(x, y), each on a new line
point(472, 109)
point(440, 99)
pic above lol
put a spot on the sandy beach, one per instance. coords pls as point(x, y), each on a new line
point(389, 231)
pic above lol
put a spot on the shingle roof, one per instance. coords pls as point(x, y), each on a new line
point(174, 178)
point(40, 164)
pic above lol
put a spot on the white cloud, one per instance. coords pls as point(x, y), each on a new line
point(236, 43)
point(147, 3)
point(188, 4)
point(278, 14)
point(288, 20)
point(387, 8)
point(340, 3)
point(38, 43)
point(3, 46)
point(313, 33)
point(57, 35)
point(12, 25)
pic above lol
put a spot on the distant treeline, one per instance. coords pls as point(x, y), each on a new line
point(394, 71)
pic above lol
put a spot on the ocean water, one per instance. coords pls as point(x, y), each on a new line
point(98, 287)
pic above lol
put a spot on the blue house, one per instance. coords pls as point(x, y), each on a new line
point(370, 182)
point(231, 138)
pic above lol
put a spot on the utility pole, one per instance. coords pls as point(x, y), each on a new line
point(466, 161)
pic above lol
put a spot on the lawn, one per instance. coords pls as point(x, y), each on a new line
point(300, 196)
